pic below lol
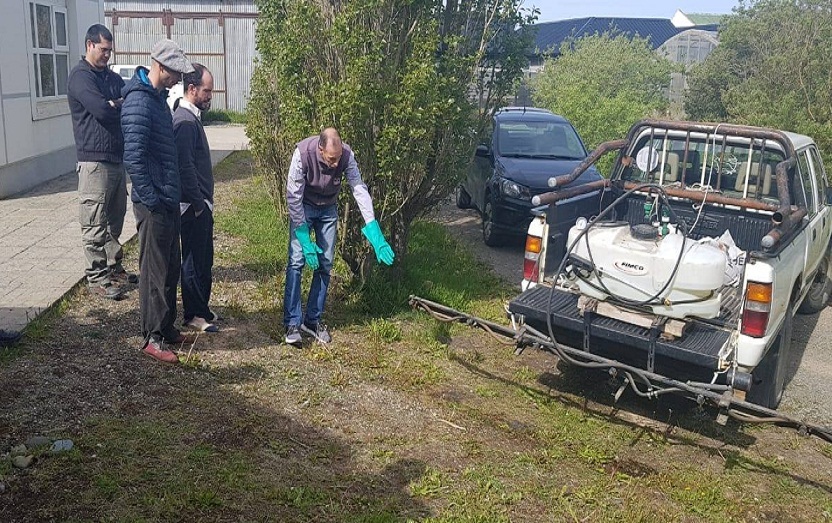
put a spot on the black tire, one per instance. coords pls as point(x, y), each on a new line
point(769, 378)
point(463, 199)
point(489, 229)
point(819, 290)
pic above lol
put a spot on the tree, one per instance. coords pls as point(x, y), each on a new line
point(603, 84)
point(772, 68)
point(393, 77)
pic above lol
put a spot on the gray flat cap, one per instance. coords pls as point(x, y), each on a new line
point(168, 53)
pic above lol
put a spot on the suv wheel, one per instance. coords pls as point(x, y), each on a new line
point(489, 229)
point(463, 199)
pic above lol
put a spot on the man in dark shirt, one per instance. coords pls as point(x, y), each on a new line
point(94, 95)
point(197, 201)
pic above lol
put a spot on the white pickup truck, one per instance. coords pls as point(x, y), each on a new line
point(707, 239)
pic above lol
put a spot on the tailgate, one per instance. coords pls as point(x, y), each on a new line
point(700, 345)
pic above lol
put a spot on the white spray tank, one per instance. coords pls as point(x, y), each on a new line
point(635, 263)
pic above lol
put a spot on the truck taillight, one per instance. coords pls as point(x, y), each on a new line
point(531, 257)
point(756, 309)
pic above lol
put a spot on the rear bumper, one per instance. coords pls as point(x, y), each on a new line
point(695, 355)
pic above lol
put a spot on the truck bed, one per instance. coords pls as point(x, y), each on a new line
point(699, 346)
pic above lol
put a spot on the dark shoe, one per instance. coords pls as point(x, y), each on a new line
point(293, 335)
point(121, 276)
point(319, 332)
point(9, 338)
point(105, 290)
point(157, 350)
point(182, 339)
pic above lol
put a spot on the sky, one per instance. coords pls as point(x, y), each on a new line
point(551, 10)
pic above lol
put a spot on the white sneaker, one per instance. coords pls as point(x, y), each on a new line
point(200, 324)
point(293, 335)
point(319, 332)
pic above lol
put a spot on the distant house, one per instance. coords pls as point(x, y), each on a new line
point(685, 39)
point(41, 40)
point(551, 35)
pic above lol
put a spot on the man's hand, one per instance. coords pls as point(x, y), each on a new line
point(384, 253)
point(115, 104)
point(310, 249)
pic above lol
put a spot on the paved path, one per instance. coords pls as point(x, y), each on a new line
point(41, 256)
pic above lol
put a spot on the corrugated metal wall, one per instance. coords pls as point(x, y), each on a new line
point(217, 34)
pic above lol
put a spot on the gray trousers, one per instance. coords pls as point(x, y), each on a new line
point(102, 194)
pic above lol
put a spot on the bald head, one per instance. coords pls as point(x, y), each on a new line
point(330, 147)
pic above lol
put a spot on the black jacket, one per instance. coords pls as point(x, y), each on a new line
point(95, 123)
point(149, 150)
point(195, 171)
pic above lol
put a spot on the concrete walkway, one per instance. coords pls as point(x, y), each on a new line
point(41, 256)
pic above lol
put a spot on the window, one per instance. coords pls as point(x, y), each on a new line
point(50, 50)
point(820, 175)
point(735, 167)
point(49, 57)
point(806, 182)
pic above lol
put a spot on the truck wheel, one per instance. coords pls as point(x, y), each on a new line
point(770, 375)
point(489, 233)
point(819, 289)
point(463, 199)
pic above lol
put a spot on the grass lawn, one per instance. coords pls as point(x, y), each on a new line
point(401, 418)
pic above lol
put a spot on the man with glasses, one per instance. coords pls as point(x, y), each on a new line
point(94, 95)
point(150, 159)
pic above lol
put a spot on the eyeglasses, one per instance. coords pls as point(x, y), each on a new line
point(105, 50)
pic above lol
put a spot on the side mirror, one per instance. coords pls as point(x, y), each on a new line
point(829, 196)
point(483, 151)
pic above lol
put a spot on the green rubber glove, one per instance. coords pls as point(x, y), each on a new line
point(310, 248)
point(384, 253)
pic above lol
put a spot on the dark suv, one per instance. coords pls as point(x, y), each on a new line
point(528, 146)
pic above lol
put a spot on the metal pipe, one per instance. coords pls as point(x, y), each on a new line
point(781, 176)
point(788, 222)
point(601, 150)
point(710, 197)
point(554, 196)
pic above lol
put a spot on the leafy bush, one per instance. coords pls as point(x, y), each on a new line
point(393, 77)
point(603, 84)
point(771, 69)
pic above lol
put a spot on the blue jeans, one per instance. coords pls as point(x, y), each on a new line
point(324, 222)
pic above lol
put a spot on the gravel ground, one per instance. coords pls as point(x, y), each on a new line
point(809, 382)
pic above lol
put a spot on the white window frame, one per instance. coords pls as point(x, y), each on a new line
point(54, 105)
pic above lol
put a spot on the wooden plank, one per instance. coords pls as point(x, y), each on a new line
point(672, 328)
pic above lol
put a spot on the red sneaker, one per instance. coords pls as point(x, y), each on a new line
point(157, 350)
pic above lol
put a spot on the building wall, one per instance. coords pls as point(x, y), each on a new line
point(36, 132)
point(216, 33)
